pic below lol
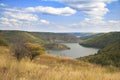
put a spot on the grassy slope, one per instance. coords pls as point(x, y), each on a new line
point(49, 67)
point(3, 42)
point(103, 40)
point(18, 36)
point(55, 37)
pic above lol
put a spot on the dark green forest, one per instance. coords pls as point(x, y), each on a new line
point(109, 54)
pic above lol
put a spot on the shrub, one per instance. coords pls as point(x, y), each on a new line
point(34, 49)
point(30, 50)
point(3, 42)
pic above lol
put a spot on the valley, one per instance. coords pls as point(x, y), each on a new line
point(59, 39)
point(23, 56)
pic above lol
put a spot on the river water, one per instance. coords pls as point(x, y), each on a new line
point(75, 51)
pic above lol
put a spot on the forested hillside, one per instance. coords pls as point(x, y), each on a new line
point(18, 36)
point(109, 54)
point(102, 40)
point(23, 36)
point(55, 37)
point(91, 36)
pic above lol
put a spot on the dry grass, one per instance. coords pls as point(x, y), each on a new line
point(48, 67)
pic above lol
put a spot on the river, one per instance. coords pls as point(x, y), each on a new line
point(75, 51)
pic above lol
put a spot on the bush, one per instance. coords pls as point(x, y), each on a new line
point(3, 42)
point(34, 49)
point(30, 50)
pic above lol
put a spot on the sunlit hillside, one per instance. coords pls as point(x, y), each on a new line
point(49, 67)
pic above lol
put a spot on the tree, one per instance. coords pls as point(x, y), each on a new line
point(30, 50)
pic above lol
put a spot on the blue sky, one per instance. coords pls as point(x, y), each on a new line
point(60, 15)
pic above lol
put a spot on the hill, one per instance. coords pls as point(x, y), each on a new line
point(29, 61)
point(81, 34)
point(55, 37)
point(23, 36)
point(49, 67)
point(102, 40)
point(90, 36)
point(18, 36)
point(110, 55)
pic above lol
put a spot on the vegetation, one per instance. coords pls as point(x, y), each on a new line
point(39, 37)
point(29, 50)
point(110, 52)
point(102, 40)
point(16, 37)
point(25, 59)
point(90, 36)
point(3, 42)
point(109, 55)
point(55, 46)
point(56, 37)
point(34, 49)
point(49, 67)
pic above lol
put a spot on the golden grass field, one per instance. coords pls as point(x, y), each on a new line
point(49, 67)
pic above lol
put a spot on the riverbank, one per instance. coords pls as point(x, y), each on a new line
point(55, 46)
point(75, 51)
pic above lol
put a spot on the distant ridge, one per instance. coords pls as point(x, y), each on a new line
point(15, 36)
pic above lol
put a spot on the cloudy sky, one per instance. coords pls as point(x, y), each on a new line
point(60, 15)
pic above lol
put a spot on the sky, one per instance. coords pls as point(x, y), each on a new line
point(60, 15)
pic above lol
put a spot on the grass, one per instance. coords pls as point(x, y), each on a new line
point(49, 67)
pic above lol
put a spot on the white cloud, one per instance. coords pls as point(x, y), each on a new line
point(9, 22)
point(91, 25)
point(21, 16)
point(14, 17)
point(44, 21)
point(14, 9)
point(2, 4)
point(66, 11)
point(92, 8)
point(95, 9)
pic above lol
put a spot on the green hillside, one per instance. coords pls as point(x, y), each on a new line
point(109, 55)
point(18, 36)
point(110, 52)
point(55, 37)
point(23, 36)
point(102, 40)
point(90, 36)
